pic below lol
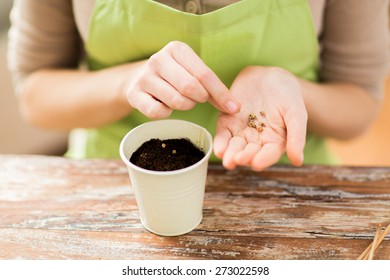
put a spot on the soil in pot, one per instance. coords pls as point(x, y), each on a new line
point(166, 155)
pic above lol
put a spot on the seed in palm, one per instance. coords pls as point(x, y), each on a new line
point(252, 117)
point(254, 123)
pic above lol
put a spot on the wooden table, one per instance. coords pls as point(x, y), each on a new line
point(56, 208)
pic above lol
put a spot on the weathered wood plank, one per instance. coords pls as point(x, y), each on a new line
point(86, 209)
point(140, 244)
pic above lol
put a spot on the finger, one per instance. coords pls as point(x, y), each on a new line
point(180, 79)
point(236, 144)
point(296, 136)
point(163, 91)
point(149, 106)
point(268, 155)
point(245, 156)
point(216, 105)
point(219, 93)
point(221, 139)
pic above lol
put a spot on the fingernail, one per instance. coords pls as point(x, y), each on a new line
point(232, 107)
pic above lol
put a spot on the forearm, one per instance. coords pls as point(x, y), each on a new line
point(65, 99)
point(338, 110)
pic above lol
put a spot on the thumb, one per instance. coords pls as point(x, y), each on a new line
point(296, 125)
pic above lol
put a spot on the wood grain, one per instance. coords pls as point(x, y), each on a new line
point(56, 208)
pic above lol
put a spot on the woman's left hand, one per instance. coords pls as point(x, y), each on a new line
point(274, 96)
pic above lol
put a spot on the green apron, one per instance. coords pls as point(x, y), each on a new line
point(250, 32)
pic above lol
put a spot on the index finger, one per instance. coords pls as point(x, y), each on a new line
point(219, 93)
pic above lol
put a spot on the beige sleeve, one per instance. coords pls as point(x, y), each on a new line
point(43, 34)
point(355, 43)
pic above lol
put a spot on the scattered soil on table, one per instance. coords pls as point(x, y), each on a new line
point(166, 155)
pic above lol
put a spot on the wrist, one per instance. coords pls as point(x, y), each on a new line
point(121, 76)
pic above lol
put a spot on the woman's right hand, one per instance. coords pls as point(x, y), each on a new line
point(175, 78)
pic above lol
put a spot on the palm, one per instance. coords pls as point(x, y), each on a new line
point(236, 142)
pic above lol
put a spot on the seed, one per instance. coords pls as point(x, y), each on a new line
point(252, 117)
point(173, 151)
point(252, 124)
point(163, 145)
point(255, 123)
point(251, 120)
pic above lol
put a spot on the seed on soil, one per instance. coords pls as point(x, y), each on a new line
point(178, 153)
point(163, 145)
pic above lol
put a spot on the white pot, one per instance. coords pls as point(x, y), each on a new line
point(170, 202)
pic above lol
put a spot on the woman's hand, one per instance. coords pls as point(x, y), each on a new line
point(277, 94)
point(175, 78)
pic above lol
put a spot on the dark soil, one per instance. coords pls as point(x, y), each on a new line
point(166, 155)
